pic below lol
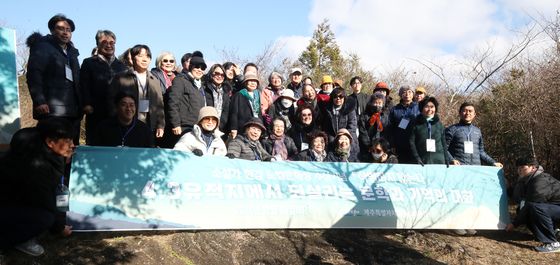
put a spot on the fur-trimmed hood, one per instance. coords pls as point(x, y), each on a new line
point(34, 38)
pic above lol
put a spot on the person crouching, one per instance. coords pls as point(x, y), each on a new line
point(205, 138)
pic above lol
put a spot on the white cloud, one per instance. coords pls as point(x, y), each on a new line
point(386, 33)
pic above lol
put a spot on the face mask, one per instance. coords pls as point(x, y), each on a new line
point(376, 156)
point(376, 108)
point(286, 103)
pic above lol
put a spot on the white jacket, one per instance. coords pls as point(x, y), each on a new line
point(193, 140)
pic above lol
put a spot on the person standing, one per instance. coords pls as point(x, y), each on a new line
point(426, 135)
point(401, 118)
point(357, 98)
point(53, 73)
point(96, 75)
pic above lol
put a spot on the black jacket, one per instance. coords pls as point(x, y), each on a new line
point(300, 134)
point(46, 77)
point(210, 101)
point(538, 187)
point(331, 123)
point(359, 101)
point(268, 145)
point(184, 102)
point(111, 133)
point(95, 80)
point(240, 112)
point(369, 132)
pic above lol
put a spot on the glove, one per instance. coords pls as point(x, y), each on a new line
point(231, 156)
point(420, 162)
point(197, 152)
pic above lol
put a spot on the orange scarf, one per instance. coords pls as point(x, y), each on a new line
point(376, 118)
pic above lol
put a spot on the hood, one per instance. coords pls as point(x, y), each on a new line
point(34, 38)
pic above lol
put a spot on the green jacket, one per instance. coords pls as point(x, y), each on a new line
point(417, 135)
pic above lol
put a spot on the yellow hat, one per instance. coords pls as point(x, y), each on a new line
point(421, 89)
point(326, 79)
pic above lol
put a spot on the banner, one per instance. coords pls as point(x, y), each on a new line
point(9, 107)
point(113, 188)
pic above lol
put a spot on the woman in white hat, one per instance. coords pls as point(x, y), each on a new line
point(205, 138)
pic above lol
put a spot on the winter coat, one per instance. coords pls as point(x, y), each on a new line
point(240, 147)
point(332, 156)
point(297, 88)
point(331, 123)
point(111, 133)
point(160, 75)
point(193, 140)
point(46, 77)
point(240, 112)
point(300, 134)
point(127, 81)
point(268, 145)
point(184, 102)
point(359, 100)
point(226, 99)
point(419, 132)
point(308, 155)
point(96, 75)
point(277, 110)
point(539, 187)
point(397, 136)
point(370, 132)
point(456, 135)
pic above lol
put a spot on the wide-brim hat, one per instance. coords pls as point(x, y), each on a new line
point(249, 77)
point(255, 122)
point(289, 94)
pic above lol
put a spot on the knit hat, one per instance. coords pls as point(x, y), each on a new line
point(288, 93)
point(382, 86)
point(197, 59)
point(255, 122)
point(326, 79)
point(344, 131)
point(421, 89)
point(208, 112)
point(250, 76)
point(404, 89)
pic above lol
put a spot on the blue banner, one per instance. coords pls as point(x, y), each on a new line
point(9, 107)
point(115, 188)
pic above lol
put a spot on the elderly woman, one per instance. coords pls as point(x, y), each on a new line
point(327, 85)
point(426, 135)
point(317, 152)
point(372, 123)
point(145, 87)
point(31, 171)
point(245, 104)
point(343, 151)
point(247, 145)
point(278, 144)
point(205, 138)
point(165, 70)
point(275, 86)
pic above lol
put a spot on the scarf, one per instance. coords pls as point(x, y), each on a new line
point(207, 137)
point(279, 148)
point(376, 118)
point(254, 147)
point(318, 157)
point(218, 95)
point(343, 153)
point(255, 100)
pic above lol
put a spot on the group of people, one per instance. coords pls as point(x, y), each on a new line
point(226, 112)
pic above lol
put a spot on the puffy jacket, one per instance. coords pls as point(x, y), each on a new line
point(193, 140)
point(46, 76)
point(268, 145)
point(346, 118)
point(456, 135)
point(539, 187)
point(184, 102)
point(419, 132)
point(240, 147)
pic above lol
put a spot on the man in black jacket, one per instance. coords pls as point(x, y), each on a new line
point(53, 73)
point(538, 197)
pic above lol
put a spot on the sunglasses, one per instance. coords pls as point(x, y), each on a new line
point(168, 61)
point(201, 66)
point(218, 74)
point(340, 97)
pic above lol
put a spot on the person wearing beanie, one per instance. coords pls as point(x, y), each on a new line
point(401, 118)
point(426, 135)
point(296, 83)
point(537, 195)
point(326, 85)
point(384, 89)
point(419, 94)
point(186, 97)
point(372, 124)
point(245, 104)
point(205, 137)
point(338, 114)
point(124, 129)
point(342, 151)
point(247, 145)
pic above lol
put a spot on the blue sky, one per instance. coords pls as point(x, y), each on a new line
point(244, 27)
point(386, 35)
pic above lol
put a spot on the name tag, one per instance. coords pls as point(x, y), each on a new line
point(304, 146)
point(62, 200)
point(469, 147)
point(69, 74)
point(404, 123)
point(430, 145)
point(143, 105)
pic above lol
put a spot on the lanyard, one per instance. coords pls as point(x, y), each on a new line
point(430, 130)
point(469, 134)
point(123, 138)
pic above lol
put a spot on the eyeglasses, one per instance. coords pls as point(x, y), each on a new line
point(108, 43)
point(168, 61)
point(216, 74)
point(63, 29)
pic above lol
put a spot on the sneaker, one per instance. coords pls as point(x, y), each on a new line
point(549, 248)
point(459, 232)
point(31, 247)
